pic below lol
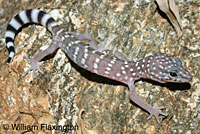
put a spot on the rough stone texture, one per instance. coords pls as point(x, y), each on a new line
point(57, 96)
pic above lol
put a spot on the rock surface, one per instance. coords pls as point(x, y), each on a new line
point(57, 96)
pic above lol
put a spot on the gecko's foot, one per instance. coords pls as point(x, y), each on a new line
point(155, 112)
point(120, 56)
point(102, 44)
point(35, 65)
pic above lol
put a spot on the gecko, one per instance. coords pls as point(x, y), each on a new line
point(159, 67)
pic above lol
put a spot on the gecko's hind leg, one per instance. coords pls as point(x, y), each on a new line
point(85, 36)
point(100, 46)
point(36, 60)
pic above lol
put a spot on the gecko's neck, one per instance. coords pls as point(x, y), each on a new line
point(125, 71)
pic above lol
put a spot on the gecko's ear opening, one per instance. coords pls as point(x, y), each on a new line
point(178, 61)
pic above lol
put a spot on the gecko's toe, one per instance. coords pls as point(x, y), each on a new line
point(155, 112)
point(35, 65)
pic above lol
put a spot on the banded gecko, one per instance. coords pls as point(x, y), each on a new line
point(159, 67)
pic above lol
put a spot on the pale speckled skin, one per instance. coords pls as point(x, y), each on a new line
point(159, 67)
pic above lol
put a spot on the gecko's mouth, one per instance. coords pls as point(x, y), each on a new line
point(188, 78)
point(182, 80)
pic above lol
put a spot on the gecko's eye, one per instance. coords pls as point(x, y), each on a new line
point(173, 71)
point(173, 74)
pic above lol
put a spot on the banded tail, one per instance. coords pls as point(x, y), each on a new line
point(24, 18)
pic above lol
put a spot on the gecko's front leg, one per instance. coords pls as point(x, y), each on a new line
point(153, 111)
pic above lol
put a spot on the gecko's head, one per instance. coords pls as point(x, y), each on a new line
point(164, 68)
